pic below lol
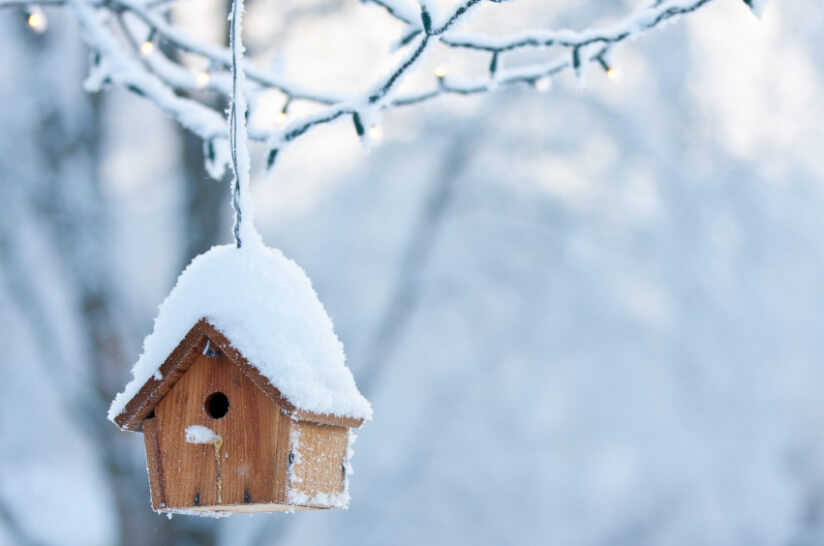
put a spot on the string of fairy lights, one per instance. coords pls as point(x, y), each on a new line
point(584, 48)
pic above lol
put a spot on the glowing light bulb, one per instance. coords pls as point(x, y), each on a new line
point(440, 72)
point(542, 85)
point(147, 48)
point(202, 79)
point(38, 22)
point(612, 74)
point(280, 119)
point(375, 132)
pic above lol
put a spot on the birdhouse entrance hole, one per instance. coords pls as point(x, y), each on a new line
point(217, 405)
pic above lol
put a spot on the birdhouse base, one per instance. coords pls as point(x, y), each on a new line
point(229, 509)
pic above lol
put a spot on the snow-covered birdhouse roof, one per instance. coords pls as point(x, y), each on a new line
point(260, 308)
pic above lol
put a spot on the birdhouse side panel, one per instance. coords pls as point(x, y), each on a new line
point(316, 473)
point(216, 433)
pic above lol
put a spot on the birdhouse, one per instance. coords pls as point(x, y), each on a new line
point(241, 393)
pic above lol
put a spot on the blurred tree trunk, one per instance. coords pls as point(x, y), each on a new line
point(58, 187)
point(418, 248)
point(204, 200)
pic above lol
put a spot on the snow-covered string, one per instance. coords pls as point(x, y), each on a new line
point(233, 129)
point(243, 228)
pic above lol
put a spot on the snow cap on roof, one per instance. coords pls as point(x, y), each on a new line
point(266, 307)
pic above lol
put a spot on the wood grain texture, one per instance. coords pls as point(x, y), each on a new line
point(153, 459)
point(245, 461)
point(320, 450)
point(176, 365)
point(282, 456)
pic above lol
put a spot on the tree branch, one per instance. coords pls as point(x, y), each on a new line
point(161, 79)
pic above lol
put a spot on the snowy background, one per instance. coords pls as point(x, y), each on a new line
point(583, 316)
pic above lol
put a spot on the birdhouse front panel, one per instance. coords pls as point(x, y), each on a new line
point(216, 436)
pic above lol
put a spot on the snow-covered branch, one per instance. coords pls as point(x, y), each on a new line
point(122, 58)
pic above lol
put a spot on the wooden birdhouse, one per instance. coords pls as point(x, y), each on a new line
point(252, 409)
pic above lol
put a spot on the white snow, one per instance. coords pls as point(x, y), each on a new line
point(295, 456)
point(266, 307)
point(217, 514)
point(198, 434)
point(339, 500)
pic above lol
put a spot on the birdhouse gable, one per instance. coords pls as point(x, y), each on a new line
point(204, 339)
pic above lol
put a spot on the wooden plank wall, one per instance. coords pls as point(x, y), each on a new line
point(242, 470)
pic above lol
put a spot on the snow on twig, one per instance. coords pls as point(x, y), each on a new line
point(169, 84)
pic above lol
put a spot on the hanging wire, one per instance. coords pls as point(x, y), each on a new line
point(233, 128)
